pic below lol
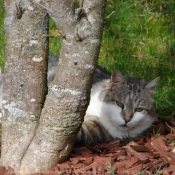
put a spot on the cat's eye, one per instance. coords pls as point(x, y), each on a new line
point(138, 109)
point(120, 104)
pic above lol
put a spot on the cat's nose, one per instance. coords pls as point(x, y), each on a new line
point(126, 120)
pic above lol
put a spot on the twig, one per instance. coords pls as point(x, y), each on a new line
point(46, 35)
point(170, 103)
point(110, 15)
point(60, 34)
point(168, 65)
point(169, 126)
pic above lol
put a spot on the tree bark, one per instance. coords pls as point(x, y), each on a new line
point(25, 87)
point(62, 115)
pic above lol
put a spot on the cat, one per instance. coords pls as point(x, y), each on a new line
point(120, 106)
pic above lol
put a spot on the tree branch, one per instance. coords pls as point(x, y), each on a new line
point(60, 10)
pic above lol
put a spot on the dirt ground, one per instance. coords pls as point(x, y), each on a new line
point(152, 154)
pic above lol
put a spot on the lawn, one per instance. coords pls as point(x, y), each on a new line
point(139, 40)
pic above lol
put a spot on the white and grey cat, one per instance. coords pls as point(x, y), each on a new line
point(120, 106)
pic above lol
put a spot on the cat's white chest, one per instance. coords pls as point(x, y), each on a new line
point(95, 106)
point(108, 114)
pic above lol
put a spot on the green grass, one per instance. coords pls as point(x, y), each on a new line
point(139, 40)
point(55, 41)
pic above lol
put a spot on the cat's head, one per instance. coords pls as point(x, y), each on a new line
point(130, 101)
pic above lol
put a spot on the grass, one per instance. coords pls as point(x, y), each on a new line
point(139, 40)
point(54, 42)
point(155, 134)
point(126, 138)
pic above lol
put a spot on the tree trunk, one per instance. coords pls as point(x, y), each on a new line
point(68, 96)
point(25, 86)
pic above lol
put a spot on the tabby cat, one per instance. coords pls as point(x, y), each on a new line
point(119, 107)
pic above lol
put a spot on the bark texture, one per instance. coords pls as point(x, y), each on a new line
point(68, 95)
point(81, 27)
point(25, 86)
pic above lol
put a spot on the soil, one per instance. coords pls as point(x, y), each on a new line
point(151, 154)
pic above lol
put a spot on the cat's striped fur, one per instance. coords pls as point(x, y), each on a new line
point(119, 107)
point(92, 131)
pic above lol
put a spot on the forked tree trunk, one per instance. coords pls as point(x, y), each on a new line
point(68, 96)
point(25, 86)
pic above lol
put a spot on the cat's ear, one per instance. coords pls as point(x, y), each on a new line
point(117, 77)
point(152, 85)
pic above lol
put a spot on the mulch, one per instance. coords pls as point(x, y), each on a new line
point(151, 154)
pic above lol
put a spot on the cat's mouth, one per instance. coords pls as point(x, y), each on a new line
point(124, 125)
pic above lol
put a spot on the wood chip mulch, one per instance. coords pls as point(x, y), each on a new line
point(153, 154)
point(150, 154)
